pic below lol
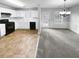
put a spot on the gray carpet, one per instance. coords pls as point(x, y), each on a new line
point(58, 43)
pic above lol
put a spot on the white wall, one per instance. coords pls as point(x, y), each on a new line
point(52, 19)
point(74, 20)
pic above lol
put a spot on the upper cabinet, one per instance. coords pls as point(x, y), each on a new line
point(20, 13)
point(31, 13)
point(34, 13)
point(27, 13)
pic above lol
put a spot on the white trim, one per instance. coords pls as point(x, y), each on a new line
point(37, 45)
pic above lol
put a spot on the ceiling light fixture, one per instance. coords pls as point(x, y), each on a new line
point(16, 2)
point(64, 12)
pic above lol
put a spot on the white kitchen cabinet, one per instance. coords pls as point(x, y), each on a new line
point(13, 13)
point(20, 13)
point(27, 13)
point(2, 30)
point(31, 14)
point(34, 13)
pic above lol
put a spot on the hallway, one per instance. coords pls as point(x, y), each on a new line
point(58, 43)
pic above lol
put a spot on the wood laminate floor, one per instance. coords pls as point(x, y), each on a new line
point(21, 43)
point(58, 43)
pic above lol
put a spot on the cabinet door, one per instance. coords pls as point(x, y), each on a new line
point(13, 13)
point(34, 13)
point(2, 30)
point(20, 14)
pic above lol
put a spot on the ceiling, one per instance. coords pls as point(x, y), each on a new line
point(41, 3)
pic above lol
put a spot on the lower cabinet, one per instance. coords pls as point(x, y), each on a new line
point(2, 30)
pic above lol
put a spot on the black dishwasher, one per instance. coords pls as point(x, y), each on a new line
point(32, 25)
